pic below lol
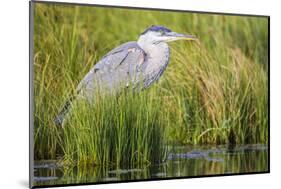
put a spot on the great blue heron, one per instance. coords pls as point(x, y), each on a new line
point(137, 64)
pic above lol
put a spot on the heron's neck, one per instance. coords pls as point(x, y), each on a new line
point(157, 60)
point(158, 53)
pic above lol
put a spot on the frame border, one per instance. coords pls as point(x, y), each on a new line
point(31, 97)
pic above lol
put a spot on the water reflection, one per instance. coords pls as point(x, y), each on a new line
point(183, 161)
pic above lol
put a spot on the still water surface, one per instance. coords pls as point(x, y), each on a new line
point(183, 161)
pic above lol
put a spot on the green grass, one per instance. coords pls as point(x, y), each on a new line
point(213, 92)
point(116, 130)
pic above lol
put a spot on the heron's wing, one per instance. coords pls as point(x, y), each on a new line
point(119, 65)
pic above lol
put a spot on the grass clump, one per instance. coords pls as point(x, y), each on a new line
point(121, 130)
point(218, 102)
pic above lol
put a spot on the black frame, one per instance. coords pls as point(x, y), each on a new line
point(31, 19)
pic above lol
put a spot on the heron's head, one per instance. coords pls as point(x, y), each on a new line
point(158, 34)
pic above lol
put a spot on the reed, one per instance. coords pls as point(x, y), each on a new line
point(116, 130)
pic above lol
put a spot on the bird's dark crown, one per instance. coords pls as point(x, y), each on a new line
point(156, 29)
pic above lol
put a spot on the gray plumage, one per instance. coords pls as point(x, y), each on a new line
point(135, 64)
point(119, 67)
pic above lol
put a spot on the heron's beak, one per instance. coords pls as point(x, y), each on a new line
point(173, 36)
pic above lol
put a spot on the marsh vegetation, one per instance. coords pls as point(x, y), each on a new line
point(213, 92)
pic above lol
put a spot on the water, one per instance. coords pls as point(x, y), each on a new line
point(183, 161)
